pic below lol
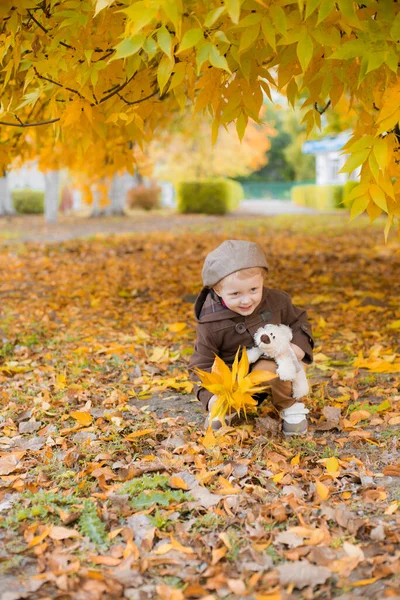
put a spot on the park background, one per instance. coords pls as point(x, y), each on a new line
point(135, 136)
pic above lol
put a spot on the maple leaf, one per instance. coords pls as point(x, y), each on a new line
point(234, 388)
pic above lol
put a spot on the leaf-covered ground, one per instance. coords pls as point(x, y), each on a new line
point(107, 489)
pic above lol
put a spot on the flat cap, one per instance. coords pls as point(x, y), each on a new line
point(231, 256)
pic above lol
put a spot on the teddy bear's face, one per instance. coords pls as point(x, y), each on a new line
point(273, 338)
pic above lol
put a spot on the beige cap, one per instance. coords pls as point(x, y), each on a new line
point(231, 256)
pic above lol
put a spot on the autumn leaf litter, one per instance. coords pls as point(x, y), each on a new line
point(107, 489)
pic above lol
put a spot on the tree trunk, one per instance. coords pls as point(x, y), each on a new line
point(117, 195)
point(118, 188)
point(6, 201)
point(96, 211)
point(52, 180)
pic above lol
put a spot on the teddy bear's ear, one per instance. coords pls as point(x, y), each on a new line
point(286, 331)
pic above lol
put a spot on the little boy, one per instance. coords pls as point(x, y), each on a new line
point(231, 307)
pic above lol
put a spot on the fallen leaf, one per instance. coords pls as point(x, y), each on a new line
point(322, 490)
point(392, 470)
point(140, 433)
point(302, 574)
point(62, 533)
point(177, 483)
point(177, 327)
point(84, 418)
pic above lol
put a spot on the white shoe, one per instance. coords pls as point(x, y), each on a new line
point(295, 419)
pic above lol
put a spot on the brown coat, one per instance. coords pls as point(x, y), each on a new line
point(221, 331)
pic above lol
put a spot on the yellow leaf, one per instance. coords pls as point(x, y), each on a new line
point(305, 49)
point(141, 433)
point(322, 490)
point(160, 354)
point(378, 196)
point(233, 8)
point(177, 483)
point(164, 71)
point(355, 160)
point(61, 380)
point(177, 546)
point(84, 418)
point(380, 150)
point(248, 37)
point(190, 39)
point(295, 460)
point(385, 405)
point(227, 488)
point(332, 465)
point(359, 206)
point(278, 477)
point(176, 327)
point(164, 549)
point(234, 389)
point(217, 554)
point(38, 539)
point(209, 440)
point(364, 582)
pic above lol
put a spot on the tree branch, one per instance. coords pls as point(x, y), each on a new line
point(322, 110)
point(56, 83)
point(29, 124)
point(118, 89)
point(140, 100)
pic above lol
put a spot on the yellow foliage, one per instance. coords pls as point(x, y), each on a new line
point(87, 87)
point(234, 389)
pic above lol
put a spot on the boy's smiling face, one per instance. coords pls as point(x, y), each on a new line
point(242, 296)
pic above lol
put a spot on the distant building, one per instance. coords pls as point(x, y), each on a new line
point(329, 159)
point(28, 176)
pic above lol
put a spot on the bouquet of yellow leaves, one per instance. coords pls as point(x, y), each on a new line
point(234, 389)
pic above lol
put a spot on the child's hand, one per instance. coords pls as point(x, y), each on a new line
point(298, 351)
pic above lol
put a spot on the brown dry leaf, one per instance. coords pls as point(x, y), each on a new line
point(62, 533)
point(237, 586)
point(289, 538)
point(108, 561)
point(359, 415)
point(332, 415)
point(392, 470)
point(168, 593)
point(302, 574)
point(218, 553)
point(9, 462)
point(195, 590)
point(204, 497)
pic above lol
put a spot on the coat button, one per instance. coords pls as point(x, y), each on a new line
point(240, 328)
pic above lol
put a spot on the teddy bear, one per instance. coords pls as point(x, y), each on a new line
point(273, 341)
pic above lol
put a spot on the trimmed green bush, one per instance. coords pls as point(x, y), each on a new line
point(210, 196)
point(28, 202)
point(321, 197)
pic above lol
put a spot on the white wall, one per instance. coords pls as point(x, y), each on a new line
point(26, 177)
point(327, 166)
